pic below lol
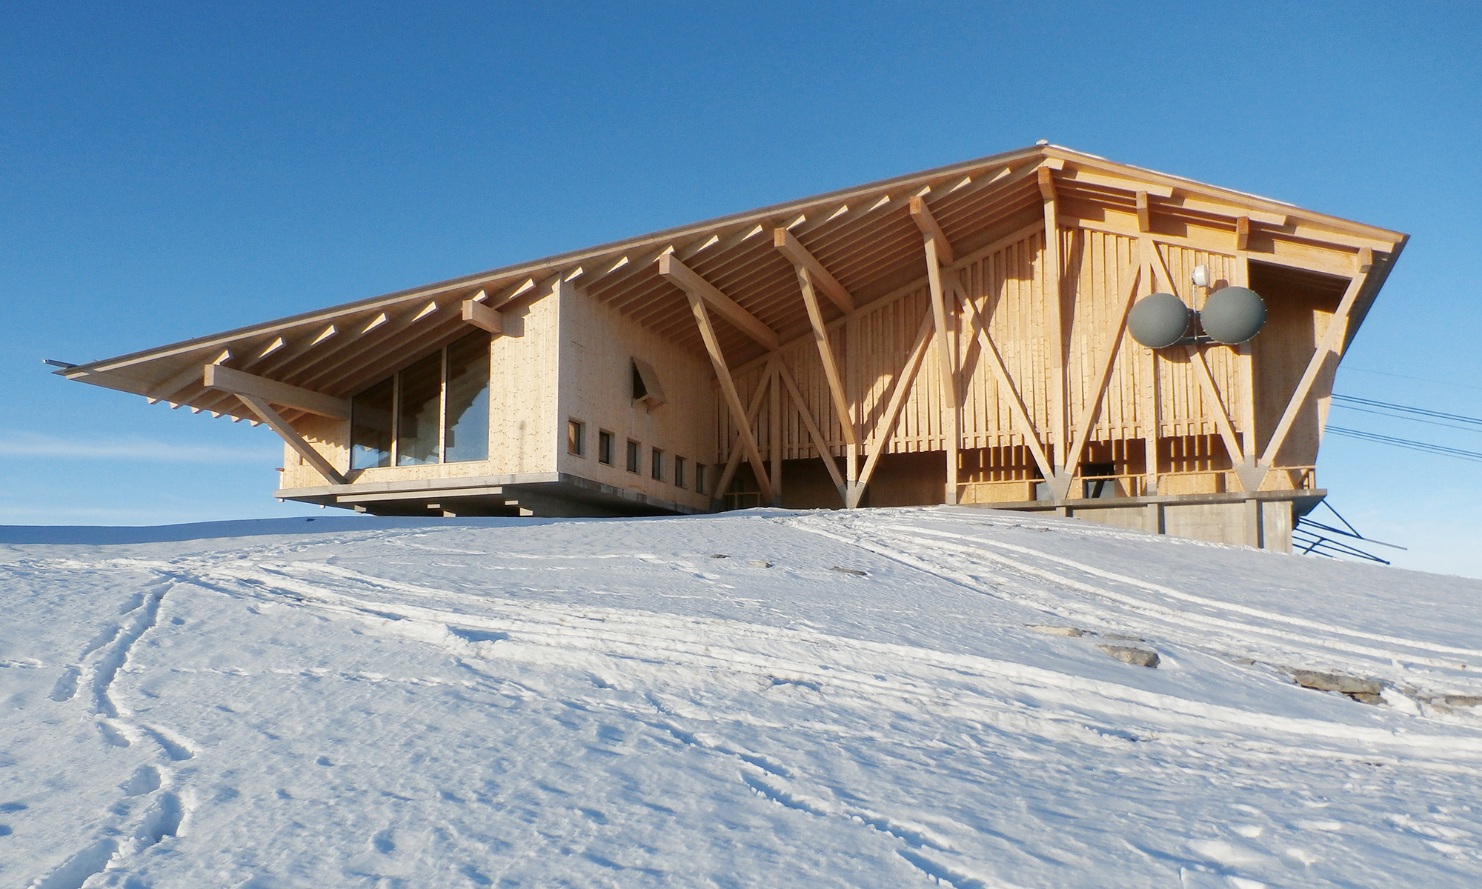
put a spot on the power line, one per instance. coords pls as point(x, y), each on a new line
point(1384, 373)
point(1404, 409)
point(1407, 443)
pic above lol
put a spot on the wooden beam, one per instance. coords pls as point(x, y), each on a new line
point(286, 356)
point(1144, 213)
point(887, 421)
point(826, 356)
point(483, 317)
point(1216, 406)
point(1046, 179)
point(275, 422)
point(921, 215)
point(819, 443)
point(683, 277)
point(946, 364)
point(774, 421)
point(1059, 414)
point(793, 249)
point(1325, 350)
point(1085, 177)
point(728, 388)
point(243, 385)
point(191, 375)
point(1242, 233)
point(1017, 411)
point(1365, 260)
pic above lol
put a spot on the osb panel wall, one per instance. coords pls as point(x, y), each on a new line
point(598, 346)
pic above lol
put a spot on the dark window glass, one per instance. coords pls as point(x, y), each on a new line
point(604, 446)
point(633, 454)
point(699, 478)
point(418, 411)
point(466, 435)
point(576, 438)
point(678, 472)
point(370, 426)
point(657, 467)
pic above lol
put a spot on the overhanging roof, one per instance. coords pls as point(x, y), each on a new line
point(864, 237)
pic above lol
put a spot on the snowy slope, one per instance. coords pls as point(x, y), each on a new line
point(876, 698)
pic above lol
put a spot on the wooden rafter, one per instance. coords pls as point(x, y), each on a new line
point(1144, 213)
point(697, 288)
point(188, 377)
point(790, 247)
point(733, 399)
point(1086, 177)
point(1242, 233)
point(274, 421)
point(287, 356)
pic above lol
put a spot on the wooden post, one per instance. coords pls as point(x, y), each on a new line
point(1059, 419)
point(774, 420)
point(947, 366)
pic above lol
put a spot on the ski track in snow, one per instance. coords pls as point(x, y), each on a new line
point(647, 667)
point(151, 810)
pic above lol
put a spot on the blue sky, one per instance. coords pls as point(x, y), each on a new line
point(174, 169)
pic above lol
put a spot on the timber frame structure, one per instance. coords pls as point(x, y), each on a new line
point(952, 336)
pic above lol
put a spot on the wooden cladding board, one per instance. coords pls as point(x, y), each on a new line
point(1008, 288)
point(598, 347)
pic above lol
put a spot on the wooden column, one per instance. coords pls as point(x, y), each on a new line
point(1059, 418)
point(939, 250)
point(774, 421)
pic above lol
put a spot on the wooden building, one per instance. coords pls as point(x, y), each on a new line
point(952, 336)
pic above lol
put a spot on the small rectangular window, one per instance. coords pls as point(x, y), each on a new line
point(576, 438)
point(699, 478)
point(656, 467)
point(604, 447)
point(633, 454)
point(678, 472)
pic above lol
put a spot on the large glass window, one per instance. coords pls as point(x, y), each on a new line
point(419, 411)
point(466, 430)
point(370, 425)
point(436, 410)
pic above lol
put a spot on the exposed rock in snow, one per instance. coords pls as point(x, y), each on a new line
point(1132, 654)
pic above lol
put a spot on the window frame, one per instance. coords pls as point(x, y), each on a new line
point(576, 437)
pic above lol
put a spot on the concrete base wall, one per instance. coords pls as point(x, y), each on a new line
point(1255, 523)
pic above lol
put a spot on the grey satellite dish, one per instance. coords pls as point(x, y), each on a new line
point(1158, 320)
point(1232, 315)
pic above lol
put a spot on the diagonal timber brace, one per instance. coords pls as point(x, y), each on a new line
point(274, 421)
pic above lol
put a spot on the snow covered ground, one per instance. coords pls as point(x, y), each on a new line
point(877, 698)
